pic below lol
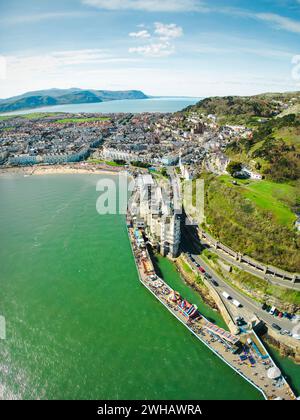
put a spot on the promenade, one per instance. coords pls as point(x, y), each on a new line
point(244, 353)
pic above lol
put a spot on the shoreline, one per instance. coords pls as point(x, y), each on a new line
point(143, 275)
point(78, 168)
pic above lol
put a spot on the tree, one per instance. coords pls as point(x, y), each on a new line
point(163, 171)
point(234, 167)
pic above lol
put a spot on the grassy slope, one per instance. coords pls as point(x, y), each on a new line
point(247, 109)
point(270, 196)
point(254, 219)
point(291, 136)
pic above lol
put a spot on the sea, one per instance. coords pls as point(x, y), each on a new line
point(164, 104)
point(79, 324)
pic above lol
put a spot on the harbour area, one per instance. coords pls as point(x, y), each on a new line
point(154, 225)
point(244, 353)
point(77, 347)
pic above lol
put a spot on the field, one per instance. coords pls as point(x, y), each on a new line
point(291, 136)
point(81, 120)
point(6, 117)
point(36, 115)
point(106, 162)
point(254, 217)
point(271, 196)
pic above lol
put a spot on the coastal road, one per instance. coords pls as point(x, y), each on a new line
point(245, 267)
point(250, 307)
point(242, 266)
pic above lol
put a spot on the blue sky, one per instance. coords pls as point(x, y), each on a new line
point(163, 47)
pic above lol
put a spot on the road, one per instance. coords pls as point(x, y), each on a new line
point(245, 267)
point(250, 307)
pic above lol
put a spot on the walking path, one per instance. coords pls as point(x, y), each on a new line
point(244, 353)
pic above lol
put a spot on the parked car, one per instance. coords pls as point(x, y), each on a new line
point(276, 327)
point(201, 269)
point(215, 283)
point(207, 276)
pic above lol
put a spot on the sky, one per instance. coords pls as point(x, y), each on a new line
point(162, 47)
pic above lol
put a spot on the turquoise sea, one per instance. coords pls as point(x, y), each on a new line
point(79, 323)
point(133, 106)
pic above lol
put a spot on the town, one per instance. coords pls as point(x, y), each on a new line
point(147, 138)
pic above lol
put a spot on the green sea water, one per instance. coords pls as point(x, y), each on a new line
point(79, 323)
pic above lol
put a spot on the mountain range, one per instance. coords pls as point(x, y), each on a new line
point(65, 97)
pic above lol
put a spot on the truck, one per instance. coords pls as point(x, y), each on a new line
point(226, 295)
point(236, 303)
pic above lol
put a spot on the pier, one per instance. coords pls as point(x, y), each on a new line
point(244, 353)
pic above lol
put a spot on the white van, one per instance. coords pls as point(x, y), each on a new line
point(237, 303)
point(226, 295)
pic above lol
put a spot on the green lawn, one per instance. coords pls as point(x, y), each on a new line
point(269, 196)
point(99, 161)
point(113, 163)
point(36, 115)
point(6, 117)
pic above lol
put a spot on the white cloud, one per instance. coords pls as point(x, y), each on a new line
point(263, 51)
point(140, 34)
point(54, 69)
point(160, 40)
point(148, 5)
point(280, 21)
point(169, 31)
point(60, 60)
point(3, 66)
point(156, 50)
point(17, 20)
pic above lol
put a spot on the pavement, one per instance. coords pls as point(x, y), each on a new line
point(246, 267)
point(243, 266)
point(249, 306)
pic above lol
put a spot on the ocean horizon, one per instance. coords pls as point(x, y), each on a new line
point(152, 104)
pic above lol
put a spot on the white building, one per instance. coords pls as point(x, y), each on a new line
point(117, 154)
point(186, 171)
point(169, 160)
point(162, 224)
point(252, 175)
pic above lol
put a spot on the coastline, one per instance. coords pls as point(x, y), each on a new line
point(76, 168)
point(143, 275)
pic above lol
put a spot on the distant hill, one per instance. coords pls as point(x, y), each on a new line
point(65, 96)
point(246, 109)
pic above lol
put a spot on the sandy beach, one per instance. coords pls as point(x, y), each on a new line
point(76, 168)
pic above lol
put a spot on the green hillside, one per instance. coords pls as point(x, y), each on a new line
point(274, 149)
point(247, 109)
point(254, 218)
